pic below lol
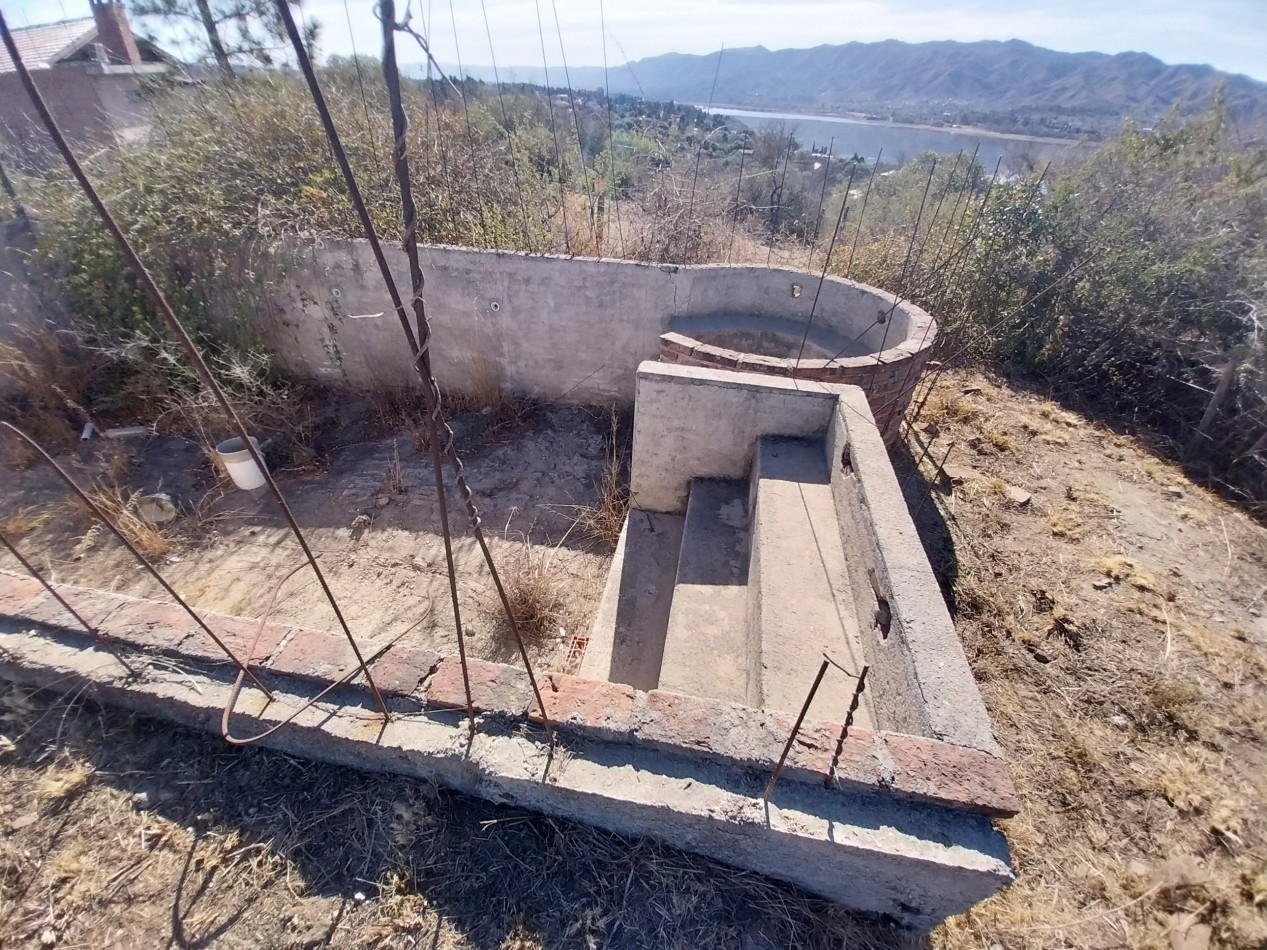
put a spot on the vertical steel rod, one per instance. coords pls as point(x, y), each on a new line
point(858, 687)
point(418, 347)
point(787, 747)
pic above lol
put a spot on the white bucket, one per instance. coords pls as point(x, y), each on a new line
point(239, 464)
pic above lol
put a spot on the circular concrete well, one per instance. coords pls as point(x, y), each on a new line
point(860, 335)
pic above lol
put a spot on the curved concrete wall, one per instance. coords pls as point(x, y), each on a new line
point(549, 328)
point(884, 345)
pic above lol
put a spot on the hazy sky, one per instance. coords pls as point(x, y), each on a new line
point(1228, 34)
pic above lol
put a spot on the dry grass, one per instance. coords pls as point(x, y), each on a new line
point(485, 393)
point(604, 520)
point(1065, 525)
point(257, 849)
point(24, 521)
point(119, 506)
point(1131, 713)
point(536, 585)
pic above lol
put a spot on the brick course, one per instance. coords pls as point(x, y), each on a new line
point(912, 767)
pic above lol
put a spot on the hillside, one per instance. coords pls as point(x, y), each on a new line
point(998, 84)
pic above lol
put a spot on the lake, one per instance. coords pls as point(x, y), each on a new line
point(903, 142)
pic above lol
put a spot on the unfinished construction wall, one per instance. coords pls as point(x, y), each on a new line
point(552, 328)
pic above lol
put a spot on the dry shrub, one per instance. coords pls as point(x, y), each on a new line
point(1064, 525)
point(47, 375)
point(23, 521)
point(120, 508)
point(945, 406)
point(485, 394)
point(534, 582)
point(604, 520)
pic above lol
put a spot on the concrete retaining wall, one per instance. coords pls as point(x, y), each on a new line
point(887, 823)
point(551, 328)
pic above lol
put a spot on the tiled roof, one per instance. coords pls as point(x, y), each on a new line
point(42, 46)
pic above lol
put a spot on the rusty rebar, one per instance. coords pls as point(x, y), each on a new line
point(858, 687)
point(173, 323)
point(92, 631)
point(132, 549)
point(441, 435)
point(787, 747)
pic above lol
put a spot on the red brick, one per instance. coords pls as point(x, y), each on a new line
point(93, 605)
point(938, 771)
point(148, 624)
point(495, 687)
point(237, 633)
point(676, 344)
point(321, 656)
point(591, 706)
point(17, 592)
point(399, 671)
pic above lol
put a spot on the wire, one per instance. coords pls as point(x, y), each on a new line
point(554, 129)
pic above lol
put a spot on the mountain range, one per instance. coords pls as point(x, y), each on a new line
point(993, 83)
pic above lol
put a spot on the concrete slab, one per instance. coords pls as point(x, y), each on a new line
point(627, 637)
point(706, 647)
point(802, 605)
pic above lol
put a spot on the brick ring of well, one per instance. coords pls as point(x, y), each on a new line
point(884, 344)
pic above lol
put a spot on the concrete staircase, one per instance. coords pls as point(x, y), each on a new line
point(755, 595)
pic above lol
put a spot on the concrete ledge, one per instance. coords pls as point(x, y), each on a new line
point(889, 765)
point(922, 679)
point(914, 862)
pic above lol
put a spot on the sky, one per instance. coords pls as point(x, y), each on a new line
point(1228, 34)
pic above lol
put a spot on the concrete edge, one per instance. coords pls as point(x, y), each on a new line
point(952, 706)
point(889, 765)
point(911, 862)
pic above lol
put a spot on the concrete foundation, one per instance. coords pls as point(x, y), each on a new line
point(768, 529)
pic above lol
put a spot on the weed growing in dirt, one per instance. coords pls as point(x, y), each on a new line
point(603, 521)
point(23, 521)
point(535, 583)
point(120, 508)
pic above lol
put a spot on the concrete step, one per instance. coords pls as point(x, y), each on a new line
point(800, 600)
point(627, 637)
point(706, 646)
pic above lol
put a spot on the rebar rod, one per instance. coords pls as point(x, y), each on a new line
point(173, 323)
point(439, 431)
point(92, 631)
point(734, 221)
point(141, 559)
point(774, 217)
point(822, 197)
point(841, 216)
point(796, 728)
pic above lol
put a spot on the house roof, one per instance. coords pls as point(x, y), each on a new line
point(43, 45)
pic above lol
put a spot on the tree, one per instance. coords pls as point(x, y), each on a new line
point(228, 32)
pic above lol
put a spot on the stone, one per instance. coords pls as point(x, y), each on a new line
point(1102, 583)
point(1173, 491)
point(956, 474)
point(382, 501)
point(1018, 496)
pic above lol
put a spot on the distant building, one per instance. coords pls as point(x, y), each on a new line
point(90, 71)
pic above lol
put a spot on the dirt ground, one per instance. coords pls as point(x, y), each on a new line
point(1112, 614)
point(366, 501)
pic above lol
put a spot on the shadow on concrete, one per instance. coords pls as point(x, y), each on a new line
point(267, 850)
point(922, 501)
